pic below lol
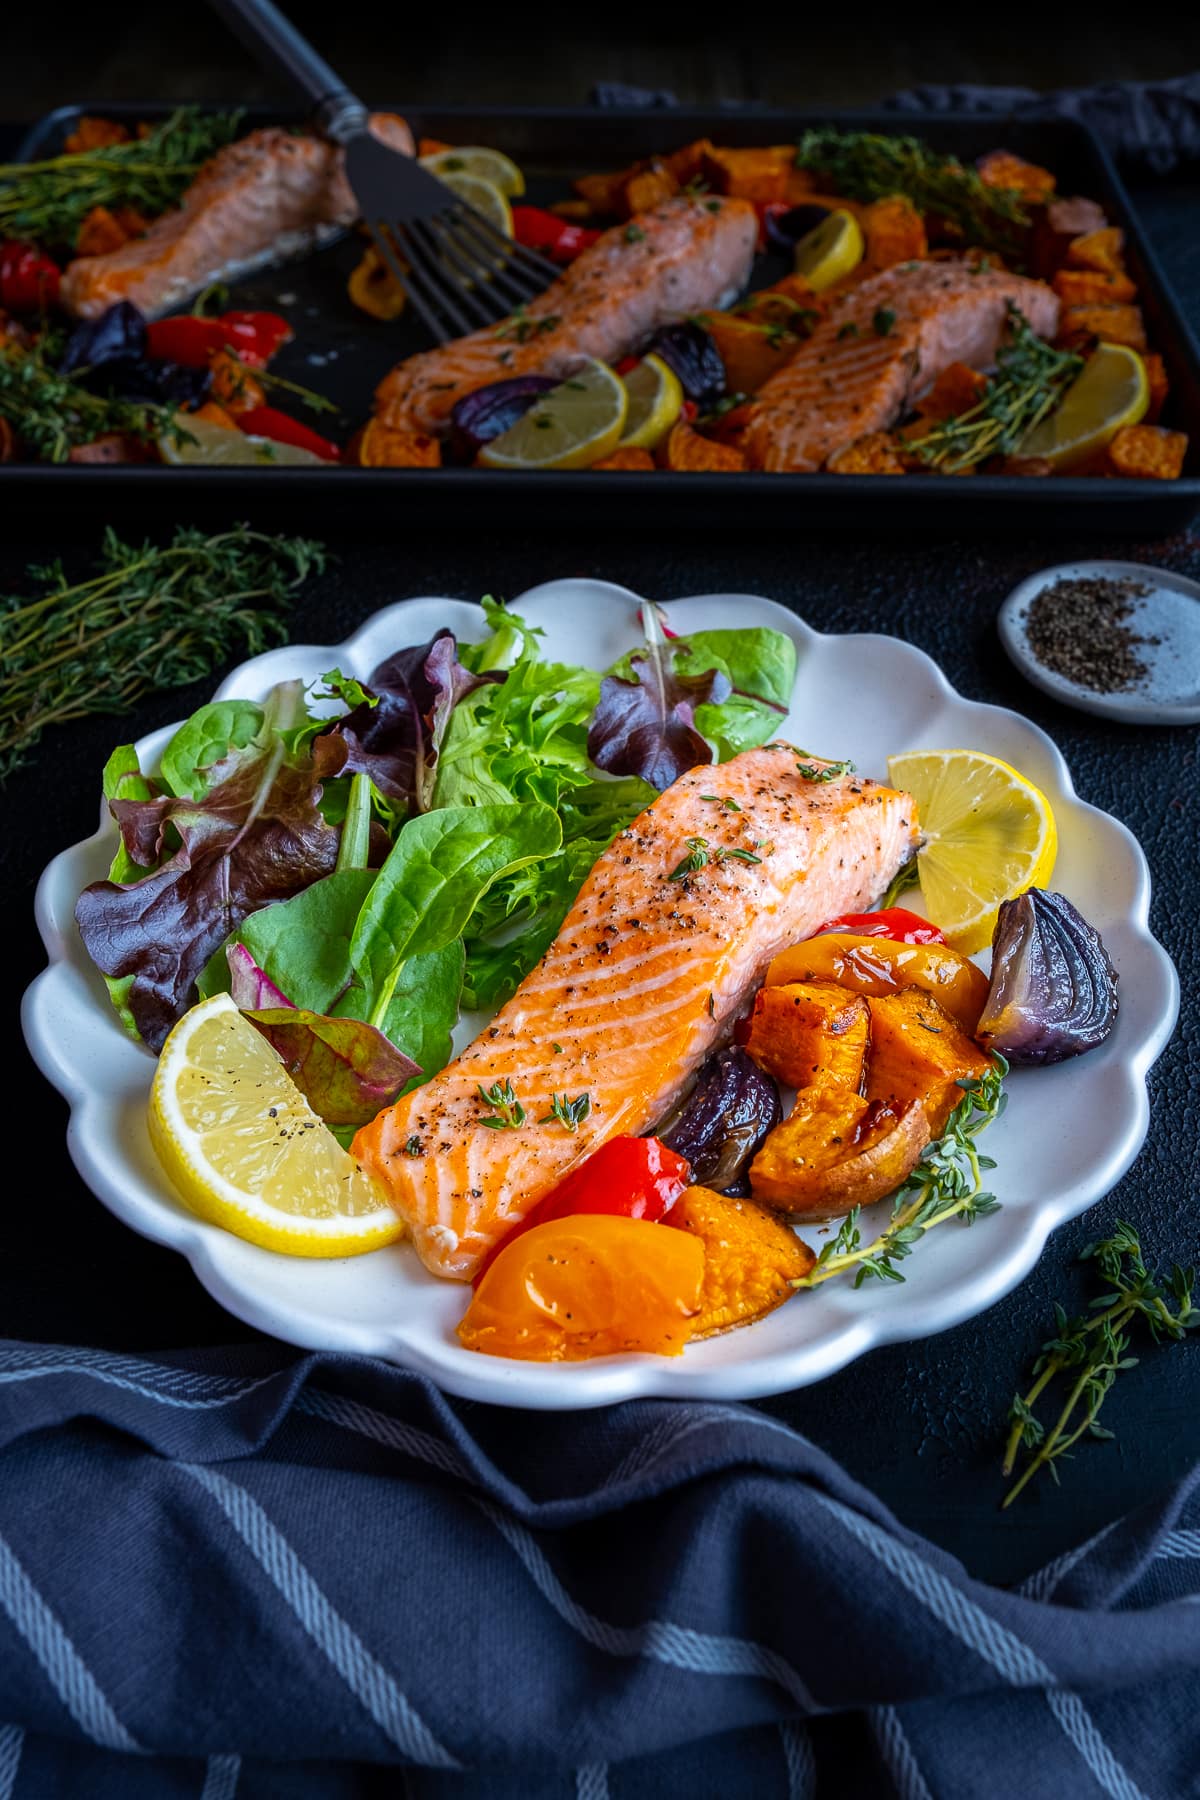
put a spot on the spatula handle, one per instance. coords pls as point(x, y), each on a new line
point(279, 47)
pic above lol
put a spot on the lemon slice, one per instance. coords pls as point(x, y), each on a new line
point(485, 197)
point(570, 427)
point(1111, 391)
point(483, 163)
point(219, 447)
point(655, 402)
point(988, 834)
point(245, 1149)
point(830, 250)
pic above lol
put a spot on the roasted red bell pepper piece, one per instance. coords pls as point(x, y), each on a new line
point(256, 336)
point(629, 1177)
point(895, 922)
point(192, 341)
point(281, 428)
point(28, 278)
point(559, 239)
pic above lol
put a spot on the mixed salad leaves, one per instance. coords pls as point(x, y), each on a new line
point(355, 877)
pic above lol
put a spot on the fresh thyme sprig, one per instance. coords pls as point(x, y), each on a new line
point(1031, 377)
point(48, 201)
point(866, 165)
point(696, 859)
point(150, 618)
point(946, 1184)
point(52, 413)
point(1091, 1351)
point(508, 1114)
point(569, 1113)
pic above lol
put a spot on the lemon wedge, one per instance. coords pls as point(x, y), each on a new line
point(217, 446)
point(830, 251)
point(1111, 391)
point(655, 402)
point(570, 427)
point(245, 1149)
point(480, 161)
point(485, 197)
point(988, 834)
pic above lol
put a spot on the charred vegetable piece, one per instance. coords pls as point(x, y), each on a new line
point(836, 1151)
point(808, 1032)
point(725, 1120)
point(489, 412)
point(751, 1258)
point(785, 228)
point(919, 1054)
point(690, 351)
point(117, 335)
point(1054, 991)
point(587, 1286)
point(871, 965)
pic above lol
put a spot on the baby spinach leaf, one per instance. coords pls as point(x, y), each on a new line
point(442, 865)
point(204, 741)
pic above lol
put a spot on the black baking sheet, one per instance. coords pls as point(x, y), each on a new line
point(342, 354)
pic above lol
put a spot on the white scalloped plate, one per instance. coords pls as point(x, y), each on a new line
point(1068, 1136)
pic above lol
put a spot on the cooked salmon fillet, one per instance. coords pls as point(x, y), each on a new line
point(269, 192)
point(690, 253)
point(647, 975)
point(859, 370)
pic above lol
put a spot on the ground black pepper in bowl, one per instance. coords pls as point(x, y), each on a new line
point(1078, 628)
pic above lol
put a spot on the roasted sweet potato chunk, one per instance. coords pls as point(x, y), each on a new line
point(894, 232)
point(957, 389)
point(751, 352)
point(387, 447)
point(836, 1151)
point(877, 966)
point(760, 175)
point(1148, 453)
point(1160, 387)
point(1090, 287)
point(1061, 223)
point(1108, 323)
point(1100, 250)
point(751, 1258)
point(878, 453)
point(688, 450)
point(629, 458)
point(809, 1032)
point(918, 1053)
point(1001, 169)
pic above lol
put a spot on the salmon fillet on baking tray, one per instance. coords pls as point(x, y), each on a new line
point(270, 195)
point(882, 343)
point(670, 935)
point(682, 256)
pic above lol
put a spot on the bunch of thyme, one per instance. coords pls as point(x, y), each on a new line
point(150, 618)
point(51, 413)
point(1091, 1351)
point(865, 165)
point(1031, 378)
point(946, 1184)
point(48, 201)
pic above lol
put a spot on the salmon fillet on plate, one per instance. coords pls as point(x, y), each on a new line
point(683, 256)
point(268, 194)
point(669, 937)
point(882, 344)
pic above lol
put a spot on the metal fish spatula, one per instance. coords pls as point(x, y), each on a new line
point(458, 270)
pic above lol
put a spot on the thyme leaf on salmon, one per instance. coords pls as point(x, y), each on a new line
point(507, 1112)
point(569, 1113)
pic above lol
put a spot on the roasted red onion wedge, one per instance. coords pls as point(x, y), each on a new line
point(1054, 991)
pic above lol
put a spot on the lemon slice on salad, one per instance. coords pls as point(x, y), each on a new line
point(655, 402)
point(245, 1149)
point(217, 446)
point(1111, 391)
point(485, 197)
point(830, 251)
point(479, 160)
point(570, 427)
point(988, 834)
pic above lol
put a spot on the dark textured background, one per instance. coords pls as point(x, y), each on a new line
point(920, 1424)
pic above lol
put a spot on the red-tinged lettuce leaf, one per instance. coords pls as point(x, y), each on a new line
point(250, 987)
point(255, 837)
point(646, 727)
point(346, 1070)
point(395, 735)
